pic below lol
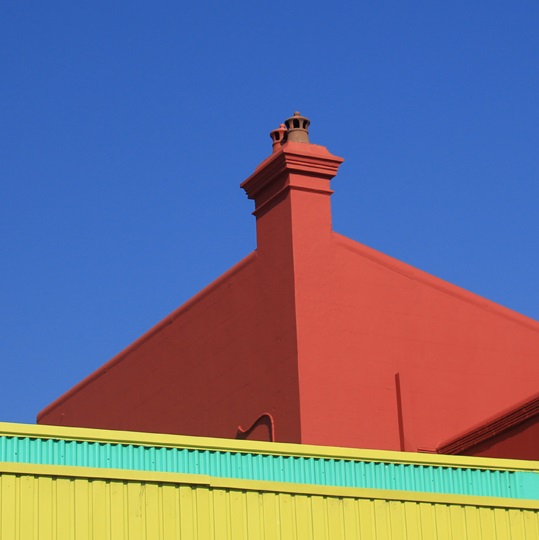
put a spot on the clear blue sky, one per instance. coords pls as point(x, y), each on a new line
point(127, 127)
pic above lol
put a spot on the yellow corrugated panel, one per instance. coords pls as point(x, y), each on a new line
point(45, 502)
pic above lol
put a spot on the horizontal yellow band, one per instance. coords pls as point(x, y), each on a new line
point(57, 471)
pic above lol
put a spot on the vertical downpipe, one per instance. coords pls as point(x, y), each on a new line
point(400, 419)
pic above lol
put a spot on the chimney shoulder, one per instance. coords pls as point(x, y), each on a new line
point(293, 159)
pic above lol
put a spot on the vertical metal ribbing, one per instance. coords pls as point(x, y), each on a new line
point(296, 469)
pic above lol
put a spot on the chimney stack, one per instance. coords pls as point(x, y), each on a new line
point(291, 188)
point(295, 164)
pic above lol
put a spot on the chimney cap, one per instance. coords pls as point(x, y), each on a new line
point(298, 128)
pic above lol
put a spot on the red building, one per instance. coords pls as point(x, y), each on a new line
point(316, 338)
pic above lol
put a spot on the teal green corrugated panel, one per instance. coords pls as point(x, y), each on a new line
point(529, 487)
point(230, 468)
point(193, 463)
point(438, 476)
point(297, 469)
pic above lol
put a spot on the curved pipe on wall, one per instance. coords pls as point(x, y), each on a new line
point(264, 419)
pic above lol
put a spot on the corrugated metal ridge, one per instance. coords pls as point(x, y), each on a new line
point(249, 446)
point(55, 471)
point(505, 420)
point(270, 467)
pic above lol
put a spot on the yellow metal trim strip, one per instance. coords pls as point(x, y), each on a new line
point(56, 471)
point(285, 449)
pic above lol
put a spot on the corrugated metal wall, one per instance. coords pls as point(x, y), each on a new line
point(40, 502)
point(458, 477)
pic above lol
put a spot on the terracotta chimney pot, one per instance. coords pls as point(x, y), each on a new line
point(298, 128)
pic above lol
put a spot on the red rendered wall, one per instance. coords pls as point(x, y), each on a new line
point(313, 328)
point(365, 317)
point(216, 363)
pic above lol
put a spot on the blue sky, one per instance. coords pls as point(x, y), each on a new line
point(127, 127)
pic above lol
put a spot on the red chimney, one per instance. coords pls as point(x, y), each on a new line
point(291, 190)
